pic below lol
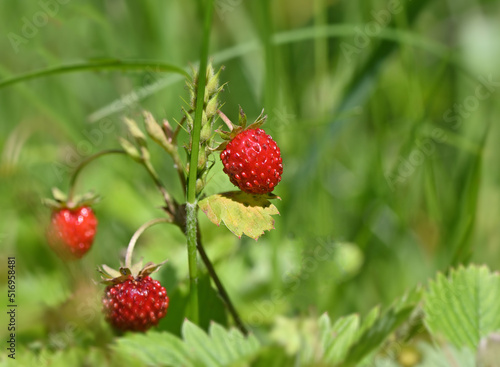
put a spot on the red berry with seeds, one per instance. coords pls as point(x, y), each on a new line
point(71, 231)
point(135, 304)
point(252, 160)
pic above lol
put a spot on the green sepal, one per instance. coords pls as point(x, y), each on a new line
point(51, 203)
point(130, 149)
point(110, 276)
point(258, 122)
point(236, 129)
point(242, 118)
point(212, 106)
point(156, 132)
point(60, 200)
point(59, 195)
point(189, 120)
point(134, 130)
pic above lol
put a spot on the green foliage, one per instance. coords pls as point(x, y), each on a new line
point(242, 213)
point(445, 356)
point(388, 149)
point(219, 347)
point(346, 341)
point(465, 306)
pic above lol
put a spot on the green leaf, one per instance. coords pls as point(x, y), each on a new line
point(342, 335)
point(446, 355)
point(242, 213)
point(156, 348)
point(465, 306)
point(199, 343)
point(346, 342)
point(374, 335)
point(220, 347)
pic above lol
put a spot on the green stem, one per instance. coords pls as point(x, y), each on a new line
point(84, 163)
point(137, 234)
point(191, 220)
point(191, 202)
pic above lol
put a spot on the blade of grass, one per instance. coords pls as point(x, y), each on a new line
point(294, 36)
point(356, 93)
point(470, 193)
point(95, 66)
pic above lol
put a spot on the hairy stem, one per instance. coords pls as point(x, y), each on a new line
point(137, 234)
point(191, 230)
point(191, 202)
point(74, 176)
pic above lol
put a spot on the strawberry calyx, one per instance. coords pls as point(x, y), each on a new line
point(61, 201)
point(234, 129)
point(110, 276)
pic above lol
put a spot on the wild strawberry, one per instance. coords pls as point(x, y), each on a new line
point(132, 300)
point(251, 158)
point(73, 224)
point(71, 231)
point(135, 304)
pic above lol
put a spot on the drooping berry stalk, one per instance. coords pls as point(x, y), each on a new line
point(137, 234)
point(74, 176)
point(191, 200)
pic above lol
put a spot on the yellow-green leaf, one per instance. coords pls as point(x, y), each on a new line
point(242, 213)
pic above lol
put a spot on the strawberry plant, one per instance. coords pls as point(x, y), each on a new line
point(262, 184)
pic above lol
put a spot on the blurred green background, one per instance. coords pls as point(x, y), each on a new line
point(385, 113)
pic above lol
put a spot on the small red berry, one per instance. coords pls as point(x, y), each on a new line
point(252, 160)
point(71, 231)
point(136, 304)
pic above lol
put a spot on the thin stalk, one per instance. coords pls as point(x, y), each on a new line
point(84, 163)
point(137, 234)
point(221, 289)
point(166, 196)
point(191, 202)
point(179, 166)
point(226, 120)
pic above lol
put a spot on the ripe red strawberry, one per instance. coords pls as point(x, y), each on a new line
point(252, 160)
point(135, 304)
point(71, 231)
